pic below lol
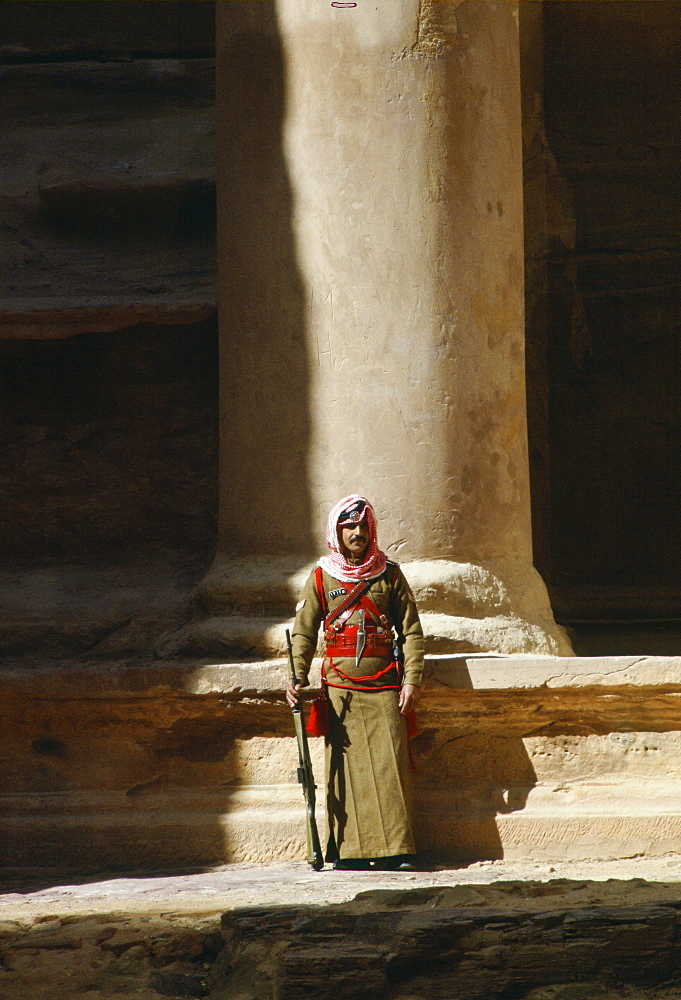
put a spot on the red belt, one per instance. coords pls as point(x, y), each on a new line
point(349, 649)
point(343, 641)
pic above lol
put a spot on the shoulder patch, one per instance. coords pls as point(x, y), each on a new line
point(300, 605)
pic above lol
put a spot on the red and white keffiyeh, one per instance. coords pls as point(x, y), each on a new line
point(337, 565)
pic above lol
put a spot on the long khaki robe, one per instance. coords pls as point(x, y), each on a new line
point(368, 776)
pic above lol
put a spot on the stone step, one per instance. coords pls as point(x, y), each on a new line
point(193, 762)
point(464, 952)
point(152, 840)
point(445, 674)
point(186, 827)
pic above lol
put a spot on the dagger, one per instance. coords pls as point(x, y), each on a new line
point(361, 638)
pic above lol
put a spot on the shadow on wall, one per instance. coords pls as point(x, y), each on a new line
point(465, 783)
point(466, 777)
point(133, 770)
point(109, 446)
point(148, 769)
point(265, 426)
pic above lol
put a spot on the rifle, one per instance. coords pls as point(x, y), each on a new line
point(305, 776)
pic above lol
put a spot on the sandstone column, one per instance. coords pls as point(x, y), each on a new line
point(371, 277)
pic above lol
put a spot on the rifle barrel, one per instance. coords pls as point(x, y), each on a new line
point(305, 775)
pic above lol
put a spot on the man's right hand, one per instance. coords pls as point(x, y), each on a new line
point(293, 693)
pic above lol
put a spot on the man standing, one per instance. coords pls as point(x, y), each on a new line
point(372, 671)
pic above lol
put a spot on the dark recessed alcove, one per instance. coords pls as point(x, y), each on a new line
point(108, 488)
point(603, 242)
point(109, 443)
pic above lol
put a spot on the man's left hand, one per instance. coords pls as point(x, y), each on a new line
point(293, 692)
point(409, 698)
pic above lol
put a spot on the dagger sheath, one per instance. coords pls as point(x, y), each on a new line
point(361, 638)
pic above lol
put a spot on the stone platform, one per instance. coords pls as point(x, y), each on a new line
point(153, 765)
point(565, 931)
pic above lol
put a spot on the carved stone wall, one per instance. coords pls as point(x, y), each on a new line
point(108, 329)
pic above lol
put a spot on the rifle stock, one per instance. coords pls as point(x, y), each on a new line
point(305, 775)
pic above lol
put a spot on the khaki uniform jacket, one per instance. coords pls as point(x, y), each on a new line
point(392, 596)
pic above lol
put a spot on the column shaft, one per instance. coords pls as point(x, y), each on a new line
point(371, 281)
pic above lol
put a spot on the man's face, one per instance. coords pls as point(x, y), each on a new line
point(354, 540)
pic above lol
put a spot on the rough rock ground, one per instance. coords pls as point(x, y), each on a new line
point(26, 900)
point(145, 936)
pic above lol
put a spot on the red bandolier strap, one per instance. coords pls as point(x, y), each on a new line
point(346, 607)
point(356, 596)
point(341, 637)
point(319, 583)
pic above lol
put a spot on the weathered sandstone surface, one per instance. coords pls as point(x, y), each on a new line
point(194, 763)
point(108, 331)
point(374, 935)
point(108, 218)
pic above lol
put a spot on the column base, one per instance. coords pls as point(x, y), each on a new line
point(500, 607)
point(465, 608)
